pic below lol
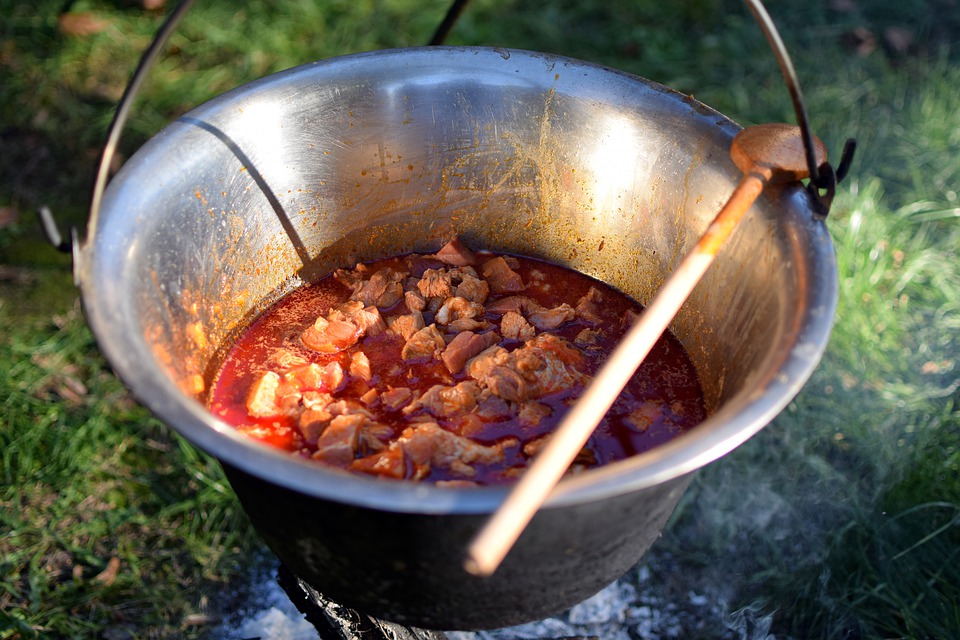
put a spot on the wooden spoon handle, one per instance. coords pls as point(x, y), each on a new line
point(498, 535)
point(764, 153)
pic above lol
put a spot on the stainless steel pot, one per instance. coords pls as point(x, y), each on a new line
point(282, 180)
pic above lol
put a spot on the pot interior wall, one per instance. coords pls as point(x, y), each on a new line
point(281, 181)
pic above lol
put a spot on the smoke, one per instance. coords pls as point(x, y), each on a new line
point(750, 624)
point(636, 607)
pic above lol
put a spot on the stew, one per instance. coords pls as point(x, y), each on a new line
point(453, 368)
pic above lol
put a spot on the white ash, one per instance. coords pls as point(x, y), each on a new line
point(628, 609)
point(268, 614)
point(636, 607)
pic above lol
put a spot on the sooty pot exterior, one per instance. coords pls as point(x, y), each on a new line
point(408, 568)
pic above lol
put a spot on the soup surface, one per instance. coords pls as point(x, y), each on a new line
point(451, 368)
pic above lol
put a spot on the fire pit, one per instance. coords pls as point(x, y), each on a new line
point(280, 181)
point(283, 607)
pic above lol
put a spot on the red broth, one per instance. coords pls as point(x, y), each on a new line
point(330, 406)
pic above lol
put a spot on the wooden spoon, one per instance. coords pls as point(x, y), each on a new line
point(766, 154)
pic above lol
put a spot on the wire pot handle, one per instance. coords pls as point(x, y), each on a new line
point(823, 178)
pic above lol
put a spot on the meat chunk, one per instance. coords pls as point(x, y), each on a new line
point(429, 444)
point(457, 274)
point(348, 408)
point(517, 304)
point(414, 301)
point(426, 343)
point(435, 283)
point(262, 399)
point(396, 398)
point(558, 371)
point(545, 365)
point(351, 277)
point(454, 253)
point(447, 402)
point(339, 441)
point(305, 377)
point(588, 307)
point(314, 377)
point(547, 319)
point(506, 383)
point(514, 326)
point(492, 407)
point(360, 366)
point(468, 324)
point(478, 365)
point(375, 436)
point(533, 447)
point(468, 425)
point(383, 289)
point(329, 337)
point(407, 325)
point(457, 308)
point(540, 317)
point(550, 343)
point(284, 359)
point(473, 288)
point(465, 346)
point(501, 277)
point(332, 376)
point(316, 399)
point(312, 422)
point(342, 327)
point(527, 361)
point(368, 320)
point(630, 318)
point(389, 463)
point(371, 398)
point(434, 304)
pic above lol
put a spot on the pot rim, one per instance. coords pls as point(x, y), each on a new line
point(735, 422)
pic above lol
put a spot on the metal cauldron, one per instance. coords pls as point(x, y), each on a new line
point(281, 181)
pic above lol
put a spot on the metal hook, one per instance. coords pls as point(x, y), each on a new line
point(52, 231)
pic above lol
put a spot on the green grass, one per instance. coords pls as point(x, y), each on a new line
point(841, 519)
point(88, 476)
point(854, 491)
